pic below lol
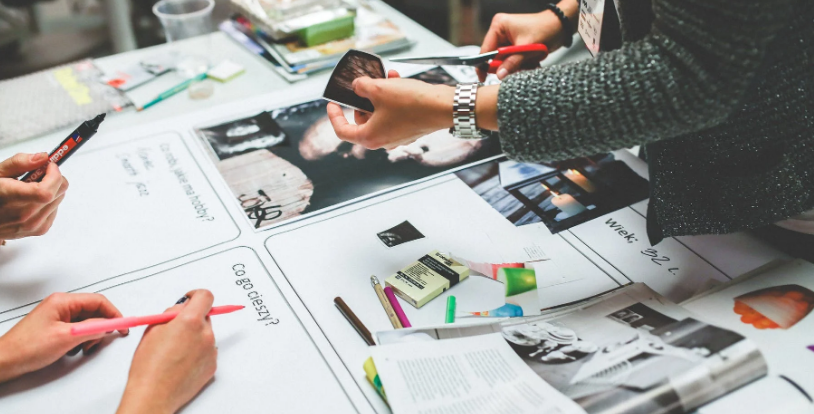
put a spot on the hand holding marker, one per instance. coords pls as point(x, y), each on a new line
point(109, 325)
point(70, 145)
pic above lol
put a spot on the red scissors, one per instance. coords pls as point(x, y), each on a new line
point(491, 59)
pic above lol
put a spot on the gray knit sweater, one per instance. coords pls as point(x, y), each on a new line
point(721, 93)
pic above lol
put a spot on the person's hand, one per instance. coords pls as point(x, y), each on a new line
point(405, 110)
point(44, 335)
point(521, 29)
point(29, 209)
point(174, 361)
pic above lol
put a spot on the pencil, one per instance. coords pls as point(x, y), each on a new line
point(394, 320)
point(354, 321)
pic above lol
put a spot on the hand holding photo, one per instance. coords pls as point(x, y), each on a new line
point(354, 64)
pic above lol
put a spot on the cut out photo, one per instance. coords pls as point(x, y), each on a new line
point(403, 233)
point(354, 64)
point(778, 307)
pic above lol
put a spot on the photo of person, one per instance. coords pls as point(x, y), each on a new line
point(560, 195)
point(354, 64)
point(288, 162)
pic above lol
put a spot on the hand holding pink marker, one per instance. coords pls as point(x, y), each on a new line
point(110, 325)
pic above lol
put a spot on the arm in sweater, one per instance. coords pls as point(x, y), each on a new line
point(688, 74)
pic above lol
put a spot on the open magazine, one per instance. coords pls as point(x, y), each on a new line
point(629, 351)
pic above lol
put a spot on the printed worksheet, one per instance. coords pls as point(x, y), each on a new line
point(129, 207)
point(266, 360)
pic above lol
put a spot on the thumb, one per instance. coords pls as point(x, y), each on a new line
point(510, 65)
point(22, 163)
point(363, 86)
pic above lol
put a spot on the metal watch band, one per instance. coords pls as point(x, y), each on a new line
point(463, 112)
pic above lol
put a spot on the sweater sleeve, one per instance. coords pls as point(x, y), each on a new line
point(688, 74)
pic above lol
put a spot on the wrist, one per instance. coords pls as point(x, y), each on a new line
point(442, 107)
point(486, 107)
point(142, 400)
point(10, 367)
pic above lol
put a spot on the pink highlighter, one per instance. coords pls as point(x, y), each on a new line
point(405, 323)
point(115, 324)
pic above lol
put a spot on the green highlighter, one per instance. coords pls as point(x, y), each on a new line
point(450, 310)
point(172, 91)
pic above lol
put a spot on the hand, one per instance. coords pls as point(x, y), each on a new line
point(29, 209)
point(44, 335)
point(521, 29)
point(174, 360)
point(405, 110)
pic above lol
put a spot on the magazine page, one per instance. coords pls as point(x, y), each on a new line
point(773, 309)
point(631, 351)
point(464, 375)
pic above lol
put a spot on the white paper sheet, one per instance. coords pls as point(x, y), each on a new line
point(129, 207)
point(472, 375)
point(262, 365)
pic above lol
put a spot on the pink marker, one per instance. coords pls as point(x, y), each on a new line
point(115, 324)
point(405, 323)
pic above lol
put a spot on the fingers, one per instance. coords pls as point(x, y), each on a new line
point(510, 65)
point(360, 117)
point(494, 37)
point(53, 182)
point(90, 346)
point(83, 306)
point(21, 164)
point(363, 86)
point(199, 303)
point(393, 74)
point(344, 130)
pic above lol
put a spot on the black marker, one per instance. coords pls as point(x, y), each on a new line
point(70, 145)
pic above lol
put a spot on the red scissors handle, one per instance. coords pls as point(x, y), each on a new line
point(504, 52)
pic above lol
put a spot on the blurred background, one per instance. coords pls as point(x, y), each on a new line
point(38, 34)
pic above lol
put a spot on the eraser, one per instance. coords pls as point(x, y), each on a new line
point(426, 278)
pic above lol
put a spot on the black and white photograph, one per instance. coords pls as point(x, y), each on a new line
point(288, 162)
point(354, 64)
point(400, 234)
point(632, 354)
point(561, 195)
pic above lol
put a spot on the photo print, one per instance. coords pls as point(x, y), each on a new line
point(288, 162)
point(561, 195)
point(403, 233)
point(354, 64)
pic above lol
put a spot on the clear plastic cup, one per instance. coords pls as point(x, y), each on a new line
point(183, 19)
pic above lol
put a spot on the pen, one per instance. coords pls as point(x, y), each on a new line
point(172, 91)
point(405, 323)
point(450, 317)
point(354, 321)
point(394, 320)
point(115, 324)
point(67, 147)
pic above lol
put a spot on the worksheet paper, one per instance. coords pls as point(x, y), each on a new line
point(467, 375)
point(129, 207)
point(266, 360)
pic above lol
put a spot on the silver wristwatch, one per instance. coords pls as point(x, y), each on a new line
point(463, 112)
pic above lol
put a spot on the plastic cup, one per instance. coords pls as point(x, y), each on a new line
point(183, 19)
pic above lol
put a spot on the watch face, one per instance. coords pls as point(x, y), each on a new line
point(355, 64)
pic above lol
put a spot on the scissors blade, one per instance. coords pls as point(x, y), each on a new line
point(429, 60)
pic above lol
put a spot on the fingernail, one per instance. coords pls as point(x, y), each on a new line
point(38, 157)
point(182, 300)
point(501, 73)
